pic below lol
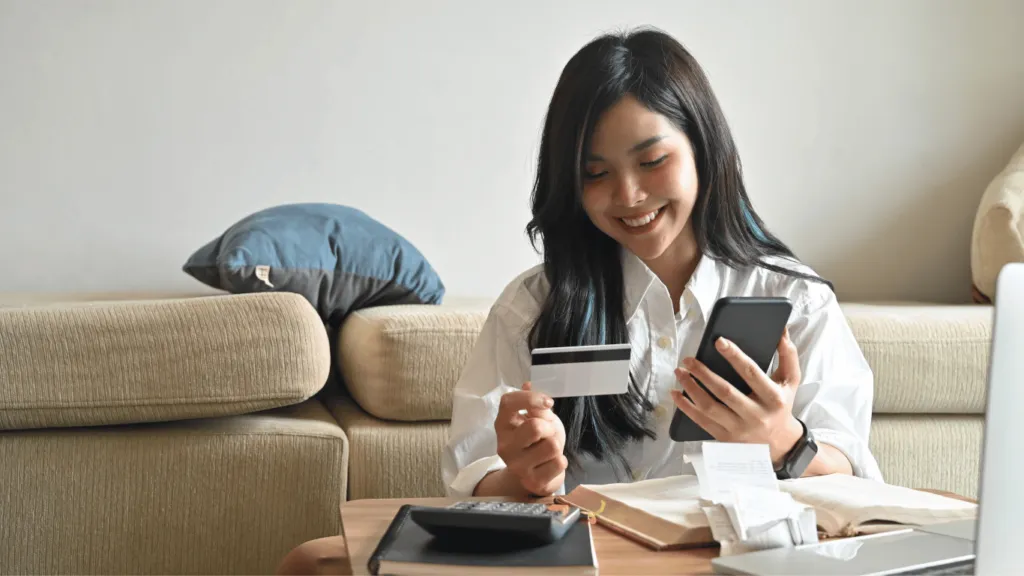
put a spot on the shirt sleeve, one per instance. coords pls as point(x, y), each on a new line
point(835, 396)
point(498, 364)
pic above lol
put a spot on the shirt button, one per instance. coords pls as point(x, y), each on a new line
point(659, 411)
point(638, 474)
point(664, 342)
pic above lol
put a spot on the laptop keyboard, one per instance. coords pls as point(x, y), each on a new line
point(965, 567)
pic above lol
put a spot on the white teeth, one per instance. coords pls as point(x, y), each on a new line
point(636, 222)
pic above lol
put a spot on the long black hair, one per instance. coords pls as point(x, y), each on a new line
point(581, 263)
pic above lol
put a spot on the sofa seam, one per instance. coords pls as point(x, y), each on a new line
point(427, 331)
point(208, 401)
point(929, 341)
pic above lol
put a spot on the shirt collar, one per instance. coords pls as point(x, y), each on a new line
point(637, 279)
point(703, 286)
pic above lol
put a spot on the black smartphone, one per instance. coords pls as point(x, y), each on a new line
point(755, 325)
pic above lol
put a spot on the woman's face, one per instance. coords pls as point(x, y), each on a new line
point(639, 180)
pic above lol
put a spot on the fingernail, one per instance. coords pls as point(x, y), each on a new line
point(722, 343)
point(548, 402)
point(688, 362)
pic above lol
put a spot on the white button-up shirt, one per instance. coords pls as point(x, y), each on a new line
point(833, 400)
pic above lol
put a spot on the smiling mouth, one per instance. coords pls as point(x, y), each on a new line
point(641, 220)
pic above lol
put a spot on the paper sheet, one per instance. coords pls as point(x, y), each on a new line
point(854, 501)
point(675, 499)
point(722, 466)
point(720, 523)
point(744, 506)
point(781, 534)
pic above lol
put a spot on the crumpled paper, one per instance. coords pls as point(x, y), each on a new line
point(744, 506)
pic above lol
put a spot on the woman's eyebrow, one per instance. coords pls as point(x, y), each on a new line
point(638, 147)
point(647, 143)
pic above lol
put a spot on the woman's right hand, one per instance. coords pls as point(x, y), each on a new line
point(531, 444)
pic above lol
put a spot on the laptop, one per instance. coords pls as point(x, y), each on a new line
point(988, 546)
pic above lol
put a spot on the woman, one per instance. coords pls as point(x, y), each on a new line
point(645, 222)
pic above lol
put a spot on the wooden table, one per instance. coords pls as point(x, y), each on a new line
point(365, 521)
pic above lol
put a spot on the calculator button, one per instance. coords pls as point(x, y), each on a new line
point(520, 508)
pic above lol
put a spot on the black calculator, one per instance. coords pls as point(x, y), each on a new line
point(513, 522)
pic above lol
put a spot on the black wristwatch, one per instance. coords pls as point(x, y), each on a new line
point(799, 457)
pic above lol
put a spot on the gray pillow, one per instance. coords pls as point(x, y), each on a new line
point(336, 256)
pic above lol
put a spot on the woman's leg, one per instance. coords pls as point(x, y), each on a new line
point(321, 556)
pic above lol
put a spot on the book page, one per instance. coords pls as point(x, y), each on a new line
point(857, 501)
point(676, 499)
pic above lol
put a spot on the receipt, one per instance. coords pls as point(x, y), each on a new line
point(720, 523)
point(721, 466)
point(752, 509)
point(744, 506)
point(783, 533)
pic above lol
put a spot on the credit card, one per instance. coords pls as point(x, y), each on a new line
point(581, 370)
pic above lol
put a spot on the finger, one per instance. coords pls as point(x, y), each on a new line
point(543, 451)
point(694, 413)
point(546, 478)
point(531, 431)
point(762, 386)
point(719, 388)
point(524, 415)
point(545, 413)
point(710, 408)
point(788, 371)
point(512, 403)
point(514, 444)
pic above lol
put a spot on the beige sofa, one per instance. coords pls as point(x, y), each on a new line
point(400, 364)
point(164, 436)
point(196, 435)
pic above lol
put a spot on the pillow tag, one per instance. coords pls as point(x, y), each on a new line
point(263, 274)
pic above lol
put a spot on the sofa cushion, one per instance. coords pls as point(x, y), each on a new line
point(227, 495)
point(117, 362)
point(402, 363)
point(941, 452)
point(389, 459)
point(925, 358)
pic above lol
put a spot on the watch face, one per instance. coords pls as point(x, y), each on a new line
point(801, 457)
point(803, 460)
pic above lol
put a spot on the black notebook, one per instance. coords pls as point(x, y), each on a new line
point(408, 549)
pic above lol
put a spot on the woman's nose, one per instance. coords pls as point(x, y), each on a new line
point(628, 192)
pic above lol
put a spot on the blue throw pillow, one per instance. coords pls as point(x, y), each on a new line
point(338, 257)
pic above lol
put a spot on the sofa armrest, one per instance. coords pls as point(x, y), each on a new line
point(118, 362)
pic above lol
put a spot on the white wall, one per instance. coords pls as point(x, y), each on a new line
point(131, 132)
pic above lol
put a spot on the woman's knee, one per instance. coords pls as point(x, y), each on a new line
point(321, 556)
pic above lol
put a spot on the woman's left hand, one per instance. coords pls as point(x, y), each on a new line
point(763, 417)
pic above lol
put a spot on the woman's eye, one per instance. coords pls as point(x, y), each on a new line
point(593, 175)
point(654, 163)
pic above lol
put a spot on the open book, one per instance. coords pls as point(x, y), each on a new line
point(666, 513)
point(662, 513)
point(847, 505)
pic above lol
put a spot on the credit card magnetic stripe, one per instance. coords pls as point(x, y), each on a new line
point(577, 356)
